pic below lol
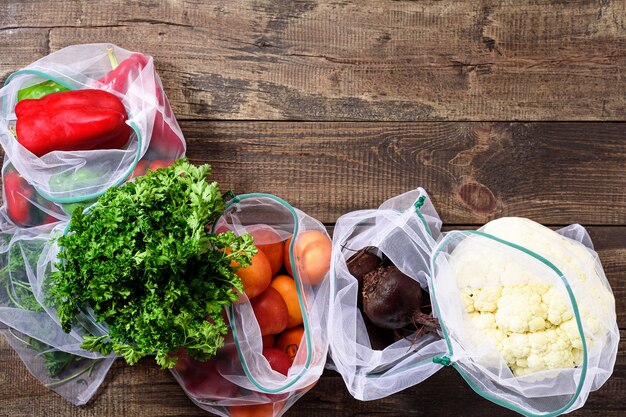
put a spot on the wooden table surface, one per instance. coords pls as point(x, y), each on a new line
point(510, 108)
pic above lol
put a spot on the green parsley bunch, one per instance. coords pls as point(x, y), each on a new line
point(141, 258)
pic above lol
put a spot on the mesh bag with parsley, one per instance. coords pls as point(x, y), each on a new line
point(143, 260)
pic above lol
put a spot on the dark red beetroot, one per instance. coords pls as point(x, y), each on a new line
point(391, 299)
point(363, 262)
point(360, 264)
point(379, 338)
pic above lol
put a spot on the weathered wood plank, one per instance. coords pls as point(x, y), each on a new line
point(20, 47)
point(554, 173)
point(144, 391)
point(365, 60)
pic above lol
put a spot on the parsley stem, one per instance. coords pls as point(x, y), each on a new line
point(10, 294)
point(76, 375)
point(19, 338)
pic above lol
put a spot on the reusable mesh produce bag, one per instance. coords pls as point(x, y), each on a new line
point(405, 229)
point(23, 205)
point(527, 314)
point(29, 323)
point(240, 376)
point(66, 177)
point(39, 194)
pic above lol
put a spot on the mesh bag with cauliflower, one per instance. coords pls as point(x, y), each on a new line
point(527, 314)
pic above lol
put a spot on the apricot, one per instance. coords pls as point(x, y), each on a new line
point(289, 341)
point(286, 286)
point(314, 261)
point(312, 252)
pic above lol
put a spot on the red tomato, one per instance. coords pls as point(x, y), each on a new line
point(203, 380)
point(140, 169)
point(154, 165)
point(49, 219)
point(270, 311)
point(256, 410)
point(257, 276)
point(279, 360)
point(273, 251)
point(268, 341)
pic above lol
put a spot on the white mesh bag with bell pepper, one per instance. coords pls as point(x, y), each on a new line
point(527, 314)
point(77, 122)
point(74, 124)
point(382, 334)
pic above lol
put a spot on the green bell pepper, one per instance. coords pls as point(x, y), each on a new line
point(39, 90)
point(67, 181)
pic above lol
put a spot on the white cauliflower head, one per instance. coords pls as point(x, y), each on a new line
point(519, 304)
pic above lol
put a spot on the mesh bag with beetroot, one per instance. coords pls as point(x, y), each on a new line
point(383, 337)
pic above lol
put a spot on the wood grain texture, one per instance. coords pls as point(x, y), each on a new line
point(325, 61)
point(353, 60)
point(554, 173)
point(145, 391)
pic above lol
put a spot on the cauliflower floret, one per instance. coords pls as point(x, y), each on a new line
point(486, 300)
point(518, 307)
point(536, 363)
point(558, 310)
point(569, 331)
point(515, 346)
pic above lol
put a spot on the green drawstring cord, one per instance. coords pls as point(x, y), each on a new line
point(230, 195)
point(420, 202)
point(442, 360)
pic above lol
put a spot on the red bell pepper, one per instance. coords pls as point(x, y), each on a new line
point(122, 74)
point(164, 140)
point(17, 193)
point(72, 121)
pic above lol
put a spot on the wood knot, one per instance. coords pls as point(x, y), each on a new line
point(384, 38)
point(262, 43)
point(490, 43)
point(478, 197)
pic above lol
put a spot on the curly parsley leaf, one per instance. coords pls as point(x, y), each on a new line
point(142, 259)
